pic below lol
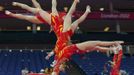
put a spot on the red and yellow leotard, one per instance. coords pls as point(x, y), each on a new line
point(56, 23)
point(62, 49)
point(63, 41)
point(116, 67)
point(66, 53)
point(62, 37)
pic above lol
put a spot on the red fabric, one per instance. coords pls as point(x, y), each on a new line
point(57, 25)
point(65, 55)
point(62, 38)
point(40, 18)
point(62, 42)
point(37, 74)
point(68, 51)
point(62, 16)
point(117, 59)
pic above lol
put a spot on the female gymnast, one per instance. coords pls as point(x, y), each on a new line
point(115, 64)
point(88, 46)
point(68, 29)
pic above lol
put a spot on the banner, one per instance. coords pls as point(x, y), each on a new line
point(92, 15)
point(107, 15)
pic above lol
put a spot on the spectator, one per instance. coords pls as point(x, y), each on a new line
point(24, 71)
point(42, 71)
point(105, 71)
point(123, 72)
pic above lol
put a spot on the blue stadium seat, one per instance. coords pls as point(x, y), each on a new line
point(11, 63)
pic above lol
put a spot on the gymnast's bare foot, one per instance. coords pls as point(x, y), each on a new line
point(77, 1)
point(7, 12)
point(88, 9)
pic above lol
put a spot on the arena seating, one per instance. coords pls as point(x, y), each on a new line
point(12, 62)
point(93, 63)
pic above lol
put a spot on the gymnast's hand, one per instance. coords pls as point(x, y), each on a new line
point(49, 55)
